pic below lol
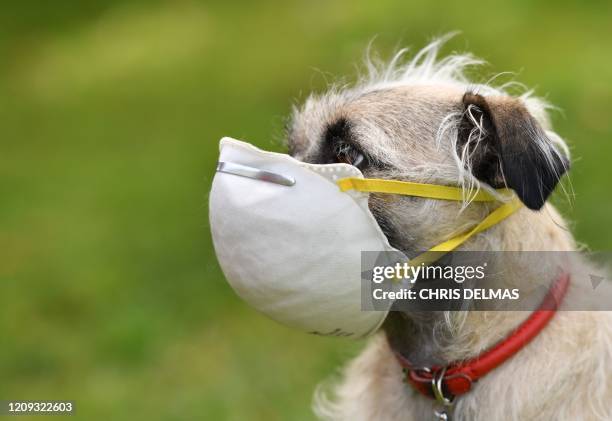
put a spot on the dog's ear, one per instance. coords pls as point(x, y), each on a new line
point(505, 146)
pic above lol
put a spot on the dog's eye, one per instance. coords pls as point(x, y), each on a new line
point(348, 154)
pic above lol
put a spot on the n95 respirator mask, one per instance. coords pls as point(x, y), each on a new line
point(289, 236)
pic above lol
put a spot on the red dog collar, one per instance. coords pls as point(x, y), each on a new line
point(444, 383)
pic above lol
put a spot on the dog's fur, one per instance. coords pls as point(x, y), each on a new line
point(423, 120)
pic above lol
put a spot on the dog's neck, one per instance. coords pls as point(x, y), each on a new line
point(438, 338)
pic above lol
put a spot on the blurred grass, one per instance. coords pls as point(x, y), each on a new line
point(110, 114)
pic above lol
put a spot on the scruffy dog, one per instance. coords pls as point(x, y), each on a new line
point(422, 120)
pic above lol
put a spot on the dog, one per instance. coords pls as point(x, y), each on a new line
point(423, 120)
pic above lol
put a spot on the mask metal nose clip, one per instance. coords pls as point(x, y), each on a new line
point(255, 173)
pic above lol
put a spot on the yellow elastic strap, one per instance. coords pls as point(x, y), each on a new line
point(493, 218)
point(432, 191)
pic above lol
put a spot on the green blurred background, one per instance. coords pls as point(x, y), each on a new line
point(110, 113)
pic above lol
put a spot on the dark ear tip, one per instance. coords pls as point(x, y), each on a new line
point(535, 199)
point(534, 203)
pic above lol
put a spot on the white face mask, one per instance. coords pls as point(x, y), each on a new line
point(288, 236)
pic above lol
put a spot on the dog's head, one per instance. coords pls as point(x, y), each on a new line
point(423, 121)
